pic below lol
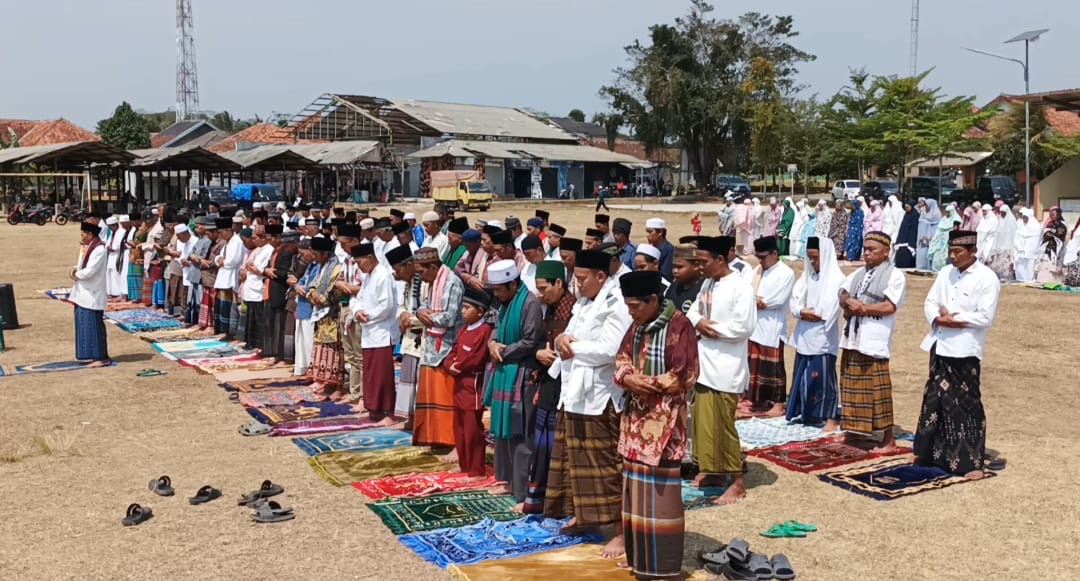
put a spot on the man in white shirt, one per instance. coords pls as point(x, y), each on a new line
point(349, 283)
point(252, 293)
point(960, 309)
point(89, 294)
point(117, 284)
point(815, 304)
point(724, 315)
point(585, 479)
point(532, 248)
point(433, 236)
point(869, 298)
point(773, 283)
point(375, 313)
point(229, 262)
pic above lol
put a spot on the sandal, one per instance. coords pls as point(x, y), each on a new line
point(732, 570)
point(781, 568)
point(266, 490)
point(718, 557)
point(255, 428)
point(761, 566)
point(162, 486)
point(137, 514)
point(738, 550)
point(204, 495)
point(149, 373)
point(781, 532)
point(271, 512)
point(798, 526)
point(997, 464)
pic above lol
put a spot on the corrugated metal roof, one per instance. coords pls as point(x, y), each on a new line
point(270, 158)
point(480, 120)
point(953, 160)
point(338, 152)
point(66, 154)
point(545, 151)
point(182, 158)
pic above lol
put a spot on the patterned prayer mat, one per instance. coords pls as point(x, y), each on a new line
point(260, 385)
point(342, 468)
point(579, 562)
point(238, 375)
point(246, 362)
point(171, 335)
point(322, 426)
point(893, 478)
point(413, 485)
point(58, 293)
point(819, 454)
point(764, 432)
point(361, 441)
point(142, 320)
point(302, 394)
point(454, 509)
point(50, 367)
point(695, 498)
point(286, 413)
point(490, 539)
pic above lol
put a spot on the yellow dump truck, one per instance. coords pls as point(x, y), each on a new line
point(463, 189)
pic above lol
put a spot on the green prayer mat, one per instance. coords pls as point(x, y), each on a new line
point(343, 468)
point(440, 511)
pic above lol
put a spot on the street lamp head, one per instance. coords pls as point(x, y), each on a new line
point(1029, 36)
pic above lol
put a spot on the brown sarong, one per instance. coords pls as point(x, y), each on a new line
point(433, 420)
point(653, 519)
point(585, 476)
point(768, 378)
point(379, 380)
point(865, 393)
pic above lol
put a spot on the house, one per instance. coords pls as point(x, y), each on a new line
point(181, 133)
point(28, 133)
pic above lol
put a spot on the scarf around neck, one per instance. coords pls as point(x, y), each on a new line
point(874, 291)
point(650, 358)
point(90, 249)
point(438, 287)
point(501, 393)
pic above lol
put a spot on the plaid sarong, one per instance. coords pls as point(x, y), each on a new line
point(585, 476)
point(768, 378)
point(653, 519)
point(206, 307)
point(865, 393)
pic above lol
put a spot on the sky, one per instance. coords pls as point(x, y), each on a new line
point(78, 59)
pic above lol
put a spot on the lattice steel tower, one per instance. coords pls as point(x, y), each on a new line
point(187, 78)
point(913, 56)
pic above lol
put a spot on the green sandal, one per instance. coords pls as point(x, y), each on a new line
point(798, 526)
point(781, 531)
point(149, 373)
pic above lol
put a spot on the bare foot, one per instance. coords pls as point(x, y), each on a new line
point(975, 475)
point(387, 421)
point(884, 448)
point(519, 507)
point(776, 411)
point(734, 493)
point(616, 547)
point(831, 426)
point(570, 528)
point(103, 363)
point(622, 565)
point(358, 408)
point(450, 458)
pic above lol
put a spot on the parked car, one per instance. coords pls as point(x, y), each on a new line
point(936, 187)
point(247, 194)
point(733, 184)
point(880, 189)
point(846, 189)
point(220, 195)
point(988, 189)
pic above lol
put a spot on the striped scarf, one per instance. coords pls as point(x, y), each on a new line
point(649, 358)
point(502, 391)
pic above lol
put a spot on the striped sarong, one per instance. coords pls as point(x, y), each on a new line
point(206, 308)
point(91, 339)
point(327, 364)
point(585, 476)
point(768, 378)
point(815, 395)
point(224, 304)
point(135, 283)
point(433, 419)
point(653, 519)
point(541, 460)
point(194, 303)
point(865, 393)
point(405, 402)
point(148, 286)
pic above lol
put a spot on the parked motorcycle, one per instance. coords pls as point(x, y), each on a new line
point(39, 216)
point(68, 213)
point(16, 215)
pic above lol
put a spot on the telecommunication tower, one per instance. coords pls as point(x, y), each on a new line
point(187, 78)
point(913, 57)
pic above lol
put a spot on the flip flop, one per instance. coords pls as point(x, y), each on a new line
point(272, 512)
point(782, 531)
point(718, 557)
point(732, 570)
point(798, 526)
point(255, 428)
point(738, 550)
point(149, 373)
point(267, 490)
point(997, 464)
point(162, 486)
point(781, 568)
point(234, 397)
point(204, 495)
point(137, 514)
point(761, 566)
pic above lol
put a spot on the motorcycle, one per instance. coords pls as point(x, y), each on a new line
point(68, 214)
point(16, 215)
point(40, 216)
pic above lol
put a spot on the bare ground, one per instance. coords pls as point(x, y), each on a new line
point(108, 433)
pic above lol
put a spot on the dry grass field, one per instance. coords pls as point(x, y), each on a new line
point(77, 447)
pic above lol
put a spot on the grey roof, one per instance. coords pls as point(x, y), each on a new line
point(545, 151)
point(582, 128)
point(965, 159)
point(480, 120)
point(182, 158)
point(273, 158)
point(337, 152)
point(66, 154)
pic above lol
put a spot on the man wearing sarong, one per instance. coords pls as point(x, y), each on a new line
point(305, 327)
point(193, 269)
point(228, 261)
point(178, 251)
point(209, 267)
point(815, 304)
point(152, 270)
point(254, 283)
point(276, 290)
point(136, 271)
point(455, 249)
point(440, 314)
point(349, 284)
point(773, 283)
point(559, 302)
point(869, 298)
point(724, 315)
point(585, 476)
point(960, 309)
point(89, 293)
point(327, 367)
point(401, 260)
point(511, 390)
point(657, 365)
point(374, 314)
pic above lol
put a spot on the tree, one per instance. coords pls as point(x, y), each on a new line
point(577, 115)
point(851, 143)
point(126, 129)
point(766, 110)
point(684, 86)
point(1049, 150)
point(802, 128)
point(611, 122)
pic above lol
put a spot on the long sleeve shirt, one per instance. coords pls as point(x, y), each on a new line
point(524, 350)
point(730, 307)
point(775, 291)
point(470, 356)
point(253, 284)
point(667, 260)
point(971, 297)
point(229, 263)
point(874, 334)
point(447, 320)
point(815, 337)
point(378, 300)
point(89, 290)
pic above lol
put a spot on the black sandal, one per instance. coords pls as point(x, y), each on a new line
point(137, 514)
point(162, 486)
point(204, 495)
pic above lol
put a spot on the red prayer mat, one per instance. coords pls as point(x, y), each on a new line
point(419, 484)
point(821, 454)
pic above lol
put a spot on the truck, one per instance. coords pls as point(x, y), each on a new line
point(464, 190)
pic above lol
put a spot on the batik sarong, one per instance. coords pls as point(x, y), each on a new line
point(815, 394)
point(206, 308)
point(952, 425)
point(91, 339)
point(541, 460)
point(327, 364)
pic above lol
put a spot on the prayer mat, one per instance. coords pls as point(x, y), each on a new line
point(286, 413)
point(579, 562)
point(695, 498)
point(342, 468)
point(893, 478)
point(360, 441)
point(49, 367)
point(58, 294)
point(171, 335)
point(250, 362)
point(761, 433)
point(413, 485)
point(322, 426)
point(302, 394)
point(260, 385)
point(155, 325)
point(817, 455)
point(490, 539)
point(275, 374)
point(453, 509)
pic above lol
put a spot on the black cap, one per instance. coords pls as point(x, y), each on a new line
point(321, 244)
point(531, 242)
point(477, 297)
point(766, 244)
point(88, 227)
point(556, 229)
point(223, 223)
point(593, 259)
point(348, 230)
point(642, 283)
point(458, 225)
point(543, 214)
point(362, 250)
point(813, 243)
point(397, 213)
point(571, 244)
point(718, 245)
point(272, 229)
point(593, 233)
point(491, 230)
point(602, 219)
point(963, 238)
point(339, 222)
point(382, 223)
point(401, 227)
point(502, 237)
point(398, 255)
point(622, 226)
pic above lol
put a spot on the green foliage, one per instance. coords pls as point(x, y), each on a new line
point(577, 115)
point(611, 122)
point(1049, 151)
point(802, 128)
point(709, 86)
point(126, 128)
point(156, 122)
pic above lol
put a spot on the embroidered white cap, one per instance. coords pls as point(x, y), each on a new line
point(180, 228)
point(281, 205)
point(124, 218)
point(409, 216)
point(649, 250)
point(502, 271)
point(656, 224)
point(496, 223)
point(154, 212)
point(430, 217)
point(367, 224)
point(111, 220)
point(238, 220)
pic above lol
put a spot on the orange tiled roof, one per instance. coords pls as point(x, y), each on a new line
point(637, 149)
point(262, 133)
point(44, 132)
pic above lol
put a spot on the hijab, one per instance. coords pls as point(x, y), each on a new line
point(821, 290)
